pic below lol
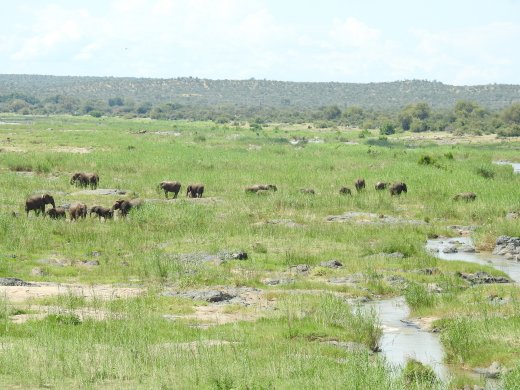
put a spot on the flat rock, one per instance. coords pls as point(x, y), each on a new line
point(13, 282)
point(301, 268)
point(482, 277)
point(371, 218)
point(102, 191)
point(277, 282)
point(331, 264)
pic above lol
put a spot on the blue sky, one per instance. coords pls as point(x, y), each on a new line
point(455, 42)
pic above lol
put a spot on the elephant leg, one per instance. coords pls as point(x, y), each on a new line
point(166, 194)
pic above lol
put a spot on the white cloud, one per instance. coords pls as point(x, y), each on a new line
point(353, 32)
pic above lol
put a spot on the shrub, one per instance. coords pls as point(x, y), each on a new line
point(485, 172)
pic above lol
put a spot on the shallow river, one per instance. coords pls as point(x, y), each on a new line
point(402, 339)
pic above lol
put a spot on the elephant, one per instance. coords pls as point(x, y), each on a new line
point(78, 210)
point(85, 179)
point(101, 211)
point(37, 203)
point(261, 187)
point(397, 188)
point(345, 191)
point(467, 196)
point(124, 206)
point(195, 190)
point(56, 213)
point(309, 191)
point(380, 185)
point(170, 186)
point(359, 184)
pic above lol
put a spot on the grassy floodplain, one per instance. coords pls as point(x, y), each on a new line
point(281, 340)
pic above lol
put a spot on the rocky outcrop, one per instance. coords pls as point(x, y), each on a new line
point(482, 277)
point(509, 247)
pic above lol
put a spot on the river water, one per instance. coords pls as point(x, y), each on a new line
point(516, 166)
point(402, 339)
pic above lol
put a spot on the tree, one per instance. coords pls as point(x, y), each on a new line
point(387, 129)
point(332, 112)
point(511, 114)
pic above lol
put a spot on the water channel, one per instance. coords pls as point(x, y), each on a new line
point(402, 339)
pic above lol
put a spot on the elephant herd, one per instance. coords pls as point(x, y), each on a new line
point(76, 211)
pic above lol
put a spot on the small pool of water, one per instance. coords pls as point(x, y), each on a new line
point(510, 267)
point(402, 340)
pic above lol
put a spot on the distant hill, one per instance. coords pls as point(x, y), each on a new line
point(259, 93)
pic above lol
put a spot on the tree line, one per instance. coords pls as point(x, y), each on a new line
point(464, 117)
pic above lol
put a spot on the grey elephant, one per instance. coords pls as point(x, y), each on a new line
point(359, 184)
point(397, 188)
point(261, 187)
point(85, 179)
point(124, 206)
point(170, 186)
point(102, 212)
point(56, 213)
point(78, 210)
point(195, 190)
point(37, 203)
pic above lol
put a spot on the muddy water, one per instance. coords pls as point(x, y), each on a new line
point(516, 166)
point(402, 340)
point(510, 267)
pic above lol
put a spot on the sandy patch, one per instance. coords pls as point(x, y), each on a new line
point(12, 149)
point(84, 313)
point(17, 294)
point(71, 149)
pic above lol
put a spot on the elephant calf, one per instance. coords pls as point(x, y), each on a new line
point(124, 206)
point(467, 196)
point(101, 211)
point(359, 184)
point(345, 191)
point(78, 210)
point(56, 213)
point(195, 191)
point(397, 188)
point(37, 203)
point(380, 186)
point(170, 186)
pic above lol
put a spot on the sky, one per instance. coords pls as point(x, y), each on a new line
point(454, 42)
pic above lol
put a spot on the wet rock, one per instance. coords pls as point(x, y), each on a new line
point(11, 282)
point(467, 249)
point(331, 264)
point(482, 277)
point(450, 249)
point(494, 371)
point(507, 246)
point(277, 282)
